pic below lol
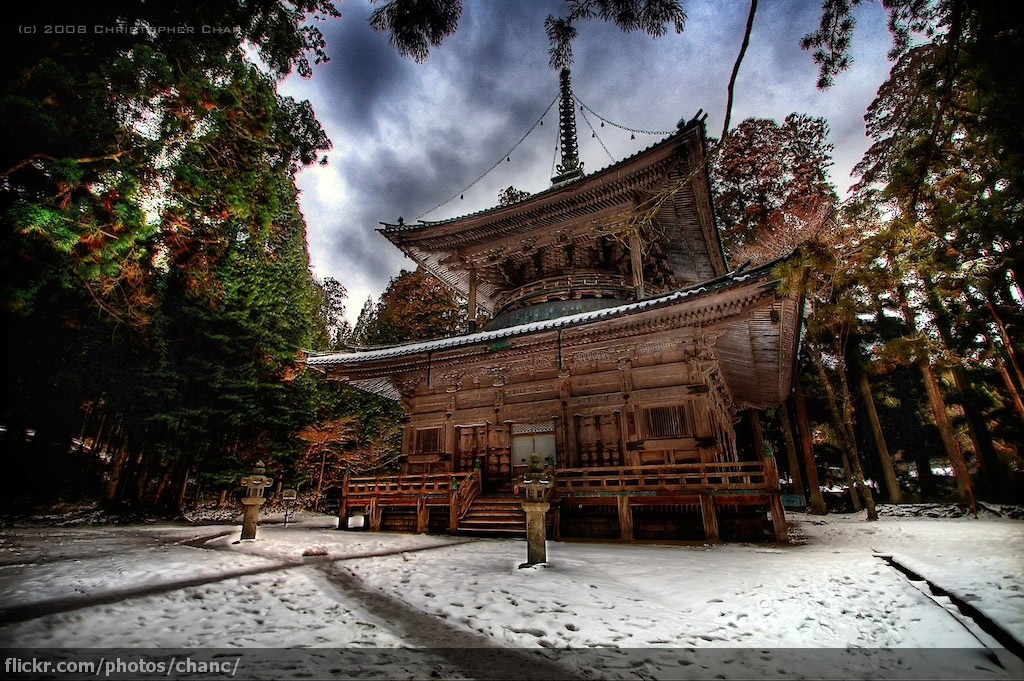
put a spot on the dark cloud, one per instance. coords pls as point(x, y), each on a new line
point(410, 135)
point(365, 72)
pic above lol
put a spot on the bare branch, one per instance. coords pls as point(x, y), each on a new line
point(736, 68)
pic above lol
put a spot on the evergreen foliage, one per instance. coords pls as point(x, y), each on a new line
point(156, 282)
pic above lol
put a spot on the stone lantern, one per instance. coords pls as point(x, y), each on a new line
point(254, 485)
point(537, 484)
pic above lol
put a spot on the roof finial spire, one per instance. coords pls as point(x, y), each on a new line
point(570, 168)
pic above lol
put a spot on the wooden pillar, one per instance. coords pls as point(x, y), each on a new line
point(453, 513)
point(778, 517)
point(422, 514)
point(343, 505)
point(629, 458)
point(771, 472)
point(375, 513)
point(574, 442)
point(471, 300)
point(636, 265)
point(710, 517)
point(625, 518)
point(757, 434)
point(807, 444)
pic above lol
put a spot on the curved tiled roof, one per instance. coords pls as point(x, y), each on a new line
point(389, 228)
point(523, 329)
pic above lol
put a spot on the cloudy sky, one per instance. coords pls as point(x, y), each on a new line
point(408, 136)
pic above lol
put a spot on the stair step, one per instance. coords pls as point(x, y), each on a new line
point(494, 527)
point(491, 513)
point(495, 518)
point(498, 509)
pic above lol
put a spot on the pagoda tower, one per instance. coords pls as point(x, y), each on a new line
point(619, 347)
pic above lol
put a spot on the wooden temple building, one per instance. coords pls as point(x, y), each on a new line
point(625, 362)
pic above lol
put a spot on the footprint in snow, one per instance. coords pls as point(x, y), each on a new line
point(539, 633)
point(572, 627)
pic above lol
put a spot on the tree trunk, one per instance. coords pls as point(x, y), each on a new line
point(858, 470)
point(180, 501)
point(891, 483)
point(222, 498)
point(993, 472)
point(1011, 352)
point(161, 488)
point(949, 441)
point(142, 480)
point(807, 444)
point(938, 408)
point(320, 480)
point(851, 485)
point(117, 468)
point(844, 433)
point(1011, 387)
point(787, 436)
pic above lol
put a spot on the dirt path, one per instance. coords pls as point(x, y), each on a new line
point(478, 656)
point(28, 611)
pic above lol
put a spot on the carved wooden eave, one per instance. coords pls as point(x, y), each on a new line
point(747, 332)
point(449, 249)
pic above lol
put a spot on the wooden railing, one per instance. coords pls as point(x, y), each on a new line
point(412, 486)
point(462, 498)
point(739, 475)
point(436, 489)
point(454, 490)
point(468, 489)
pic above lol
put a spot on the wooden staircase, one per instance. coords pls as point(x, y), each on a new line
point(494, 515)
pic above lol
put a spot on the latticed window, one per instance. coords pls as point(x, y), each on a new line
point(428, 440)
point(672, 421)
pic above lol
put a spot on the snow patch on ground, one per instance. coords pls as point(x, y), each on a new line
point(648, 596)
point(319, 533)
point(829, 590)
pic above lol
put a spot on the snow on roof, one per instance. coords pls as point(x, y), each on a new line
point(545, 325)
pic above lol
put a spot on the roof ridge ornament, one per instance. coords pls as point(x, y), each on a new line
point(571, 168)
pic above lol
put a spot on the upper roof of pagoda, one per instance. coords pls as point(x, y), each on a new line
point(576, 211)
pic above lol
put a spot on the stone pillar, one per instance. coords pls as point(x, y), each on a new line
point(536, 532)
point(250, 517)
point(538, 485)
point(253, 499)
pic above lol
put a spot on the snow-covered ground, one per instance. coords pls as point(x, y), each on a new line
point(610, 610)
